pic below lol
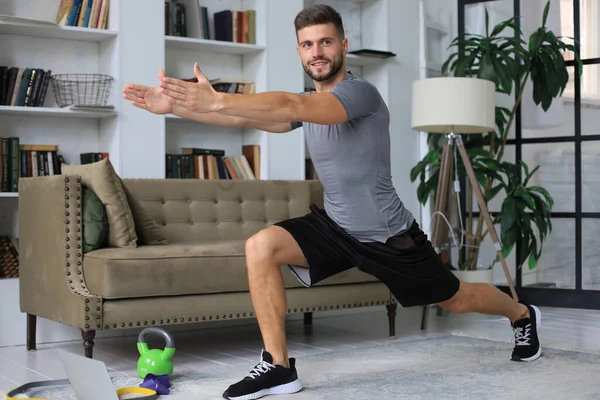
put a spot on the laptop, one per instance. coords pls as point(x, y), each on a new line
point(89, 378)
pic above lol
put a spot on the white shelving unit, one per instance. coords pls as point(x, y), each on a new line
point(211, 46)
point(50, 30)
point(225, 60)
point(132, 50)
point(30, 39)
point(54, 112)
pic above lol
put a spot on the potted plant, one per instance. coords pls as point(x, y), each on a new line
point(510, 62)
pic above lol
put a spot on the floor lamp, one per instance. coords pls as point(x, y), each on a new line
point(455, 106)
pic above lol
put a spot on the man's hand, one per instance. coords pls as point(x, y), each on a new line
point(199, 96)
point(148, 98)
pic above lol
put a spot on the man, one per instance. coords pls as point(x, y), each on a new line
point(364, 224)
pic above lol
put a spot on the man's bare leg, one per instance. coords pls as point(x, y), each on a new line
point(486, 299)
point(266, 252)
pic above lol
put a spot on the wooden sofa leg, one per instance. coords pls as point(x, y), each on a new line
point(308, 318)
point(88, 342)
point(391, 311)
point(31, 332)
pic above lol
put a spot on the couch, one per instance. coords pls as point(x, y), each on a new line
point(194, 273)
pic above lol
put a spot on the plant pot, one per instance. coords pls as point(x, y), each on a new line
point(476, 275)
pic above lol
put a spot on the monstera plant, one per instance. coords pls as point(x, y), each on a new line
point(502, 56)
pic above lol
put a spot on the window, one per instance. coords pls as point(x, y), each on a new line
point(590, 47)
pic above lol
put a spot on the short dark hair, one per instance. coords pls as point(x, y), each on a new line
point(319, 14)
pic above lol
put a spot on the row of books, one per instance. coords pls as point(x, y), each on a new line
point(32, 160)
point(83, 13)
point(190, 19)
point(25, 161)
point(176, 16)
point(226, 85)
point(235, 26)
point(195, 166)
point(23, 87)
point(239, 86)
point(199, 163)
point(89, 158)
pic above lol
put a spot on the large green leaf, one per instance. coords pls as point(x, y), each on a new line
point(509, 214)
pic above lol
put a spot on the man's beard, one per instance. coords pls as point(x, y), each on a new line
point(334, 67)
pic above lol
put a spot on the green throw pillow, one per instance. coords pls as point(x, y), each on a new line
point(95, 222)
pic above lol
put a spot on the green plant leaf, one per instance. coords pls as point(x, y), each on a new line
point(474, 152)
point(528, 174)
point(546, 10)
point(524, 249)
point(532, 261)
point(486, 69)
point(492, 164)
point(529, 199)
point(431, 158)
point(509, 23)
point(509, 213)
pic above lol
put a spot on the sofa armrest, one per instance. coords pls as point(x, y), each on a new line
point(51, 279)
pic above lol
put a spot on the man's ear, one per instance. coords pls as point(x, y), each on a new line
point(345, 45)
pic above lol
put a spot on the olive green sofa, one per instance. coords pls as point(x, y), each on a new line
point(182, 263)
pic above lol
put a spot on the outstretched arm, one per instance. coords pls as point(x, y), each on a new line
point(279, 107)
point(319, 108)
point(215, 118)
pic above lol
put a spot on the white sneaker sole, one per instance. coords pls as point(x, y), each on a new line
point(287, 388)
point(538, 325)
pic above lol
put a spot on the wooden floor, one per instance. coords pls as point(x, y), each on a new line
point(561, 328)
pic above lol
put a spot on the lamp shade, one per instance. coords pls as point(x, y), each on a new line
point(462, 105)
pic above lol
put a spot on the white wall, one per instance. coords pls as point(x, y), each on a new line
point(403, 40)
point(286, 74)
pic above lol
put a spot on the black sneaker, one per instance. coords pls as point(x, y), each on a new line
point(264, 379)
point(527, 343)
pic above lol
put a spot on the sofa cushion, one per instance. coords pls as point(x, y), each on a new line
point(180, 269)
point(104, 181)
point(95, 223)
point(146, 228)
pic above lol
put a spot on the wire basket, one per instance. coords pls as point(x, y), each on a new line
point(90, 90)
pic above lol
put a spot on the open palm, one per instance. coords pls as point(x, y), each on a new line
point(148, 98)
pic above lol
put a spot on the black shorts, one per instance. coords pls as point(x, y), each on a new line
point(407, 263)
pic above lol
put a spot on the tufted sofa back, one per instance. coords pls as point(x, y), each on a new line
point(196, 210)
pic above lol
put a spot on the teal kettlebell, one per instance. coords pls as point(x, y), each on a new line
point(155, 361)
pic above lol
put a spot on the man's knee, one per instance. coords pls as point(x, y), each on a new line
point(274, 246)
point(461, 301)
point(262, 245)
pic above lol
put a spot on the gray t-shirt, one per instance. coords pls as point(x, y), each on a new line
point(352, 161)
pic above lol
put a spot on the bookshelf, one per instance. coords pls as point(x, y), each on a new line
point(31, 39)
point(219, 59)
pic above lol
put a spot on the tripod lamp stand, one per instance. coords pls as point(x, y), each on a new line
point(455, 106)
